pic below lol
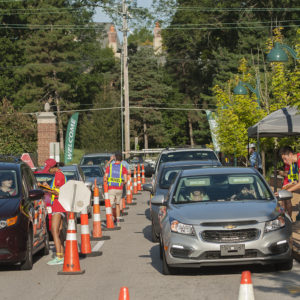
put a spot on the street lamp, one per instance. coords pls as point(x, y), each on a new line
point(241, 90)
point(277, 54)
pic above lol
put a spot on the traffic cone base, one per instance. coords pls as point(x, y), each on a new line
point(126, 207)
point(71, 273)
point(124, 213)
point(103, 238)
point(133, 203)
point(92, 254)
point(111, 229)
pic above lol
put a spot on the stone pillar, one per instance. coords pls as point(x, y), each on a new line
point(46, 123)
point(157, 39)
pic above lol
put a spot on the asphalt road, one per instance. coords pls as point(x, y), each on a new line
point(131, 259)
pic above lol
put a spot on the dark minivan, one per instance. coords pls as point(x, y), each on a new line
point(23, 230)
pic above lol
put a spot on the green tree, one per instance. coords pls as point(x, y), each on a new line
point(17, 130)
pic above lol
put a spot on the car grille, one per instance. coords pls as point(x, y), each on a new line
point(217, 255)
point(230, 236)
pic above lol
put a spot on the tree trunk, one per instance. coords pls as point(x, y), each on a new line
point(191, 131)
point(145, 137)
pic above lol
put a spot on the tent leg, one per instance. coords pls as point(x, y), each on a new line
point(275, 169)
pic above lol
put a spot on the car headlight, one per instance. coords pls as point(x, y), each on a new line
point(275, 224)
point(182, 228)
point(8, 222)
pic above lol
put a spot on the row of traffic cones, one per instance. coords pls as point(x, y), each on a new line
point(71, 260)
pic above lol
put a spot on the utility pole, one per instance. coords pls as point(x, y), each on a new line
point(122, 91)
point(126, 81)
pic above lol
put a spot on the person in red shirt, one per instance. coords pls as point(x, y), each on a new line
point(58, 212)
point(115, 176)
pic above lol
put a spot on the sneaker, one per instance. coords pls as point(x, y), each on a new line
point(56, 261)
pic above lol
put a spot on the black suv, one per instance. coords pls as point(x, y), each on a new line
point(23, 230)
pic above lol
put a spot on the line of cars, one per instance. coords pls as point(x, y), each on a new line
point(203, 214)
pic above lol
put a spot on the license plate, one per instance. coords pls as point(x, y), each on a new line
point(232, 250)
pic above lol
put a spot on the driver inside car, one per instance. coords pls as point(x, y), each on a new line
point(198, 195)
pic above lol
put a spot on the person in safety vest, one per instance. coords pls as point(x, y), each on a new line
point(292, 183)
point(58, 212)
point(116, 176)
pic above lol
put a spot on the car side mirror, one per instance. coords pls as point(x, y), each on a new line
point(158, 200)
point(35, 194)
point(148, 187)
point(284, 195)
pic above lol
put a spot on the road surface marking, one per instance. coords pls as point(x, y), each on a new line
point(97, 246)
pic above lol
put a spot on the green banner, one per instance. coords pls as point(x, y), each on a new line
point(211, 117)
point(70, 137)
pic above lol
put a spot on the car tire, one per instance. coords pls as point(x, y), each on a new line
point(28, 262)
point(166, 269)
point(285, 266)
point(154, 237)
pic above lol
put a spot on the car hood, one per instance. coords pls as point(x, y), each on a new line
point(196, 213)
point(9, 207)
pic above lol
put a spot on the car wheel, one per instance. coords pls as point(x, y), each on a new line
point(28, 262)
point(166, 269)
point(285, 266)
point(154, 237)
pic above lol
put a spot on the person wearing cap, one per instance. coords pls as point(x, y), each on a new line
point(115, 175)
point(58, 212)
point(255, 159)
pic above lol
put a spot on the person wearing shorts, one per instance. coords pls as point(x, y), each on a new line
point(116, 176)
point(58, 212)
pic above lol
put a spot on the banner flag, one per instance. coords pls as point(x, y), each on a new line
point(211, 117)
point(70, 137)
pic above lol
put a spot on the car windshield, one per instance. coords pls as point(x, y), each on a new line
point(44, 177)
point(8, 184)
point(95, 160)
point(92, 171)
point(168, 175)
point(221, 187)
point(188, 155)
point(71, 175)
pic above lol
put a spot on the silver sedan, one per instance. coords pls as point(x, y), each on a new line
point(223, 216)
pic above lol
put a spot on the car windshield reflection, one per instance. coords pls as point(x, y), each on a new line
point(222, 187)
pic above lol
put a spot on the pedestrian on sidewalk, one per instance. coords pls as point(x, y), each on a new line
point(58, 212)
point(255, 159)
point(116, 177)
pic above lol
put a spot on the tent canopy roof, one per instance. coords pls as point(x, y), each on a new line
point(280, 123)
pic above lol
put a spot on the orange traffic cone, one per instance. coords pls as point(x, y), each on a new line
point(124, 213)
point(71, 259)
point(246, 287)
point(109, 218)
point(86, 249)
point(124, 293)
point(143, 174)
point(97, 230)
point(128, 193)
point(139, 186)
point(135, 189)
